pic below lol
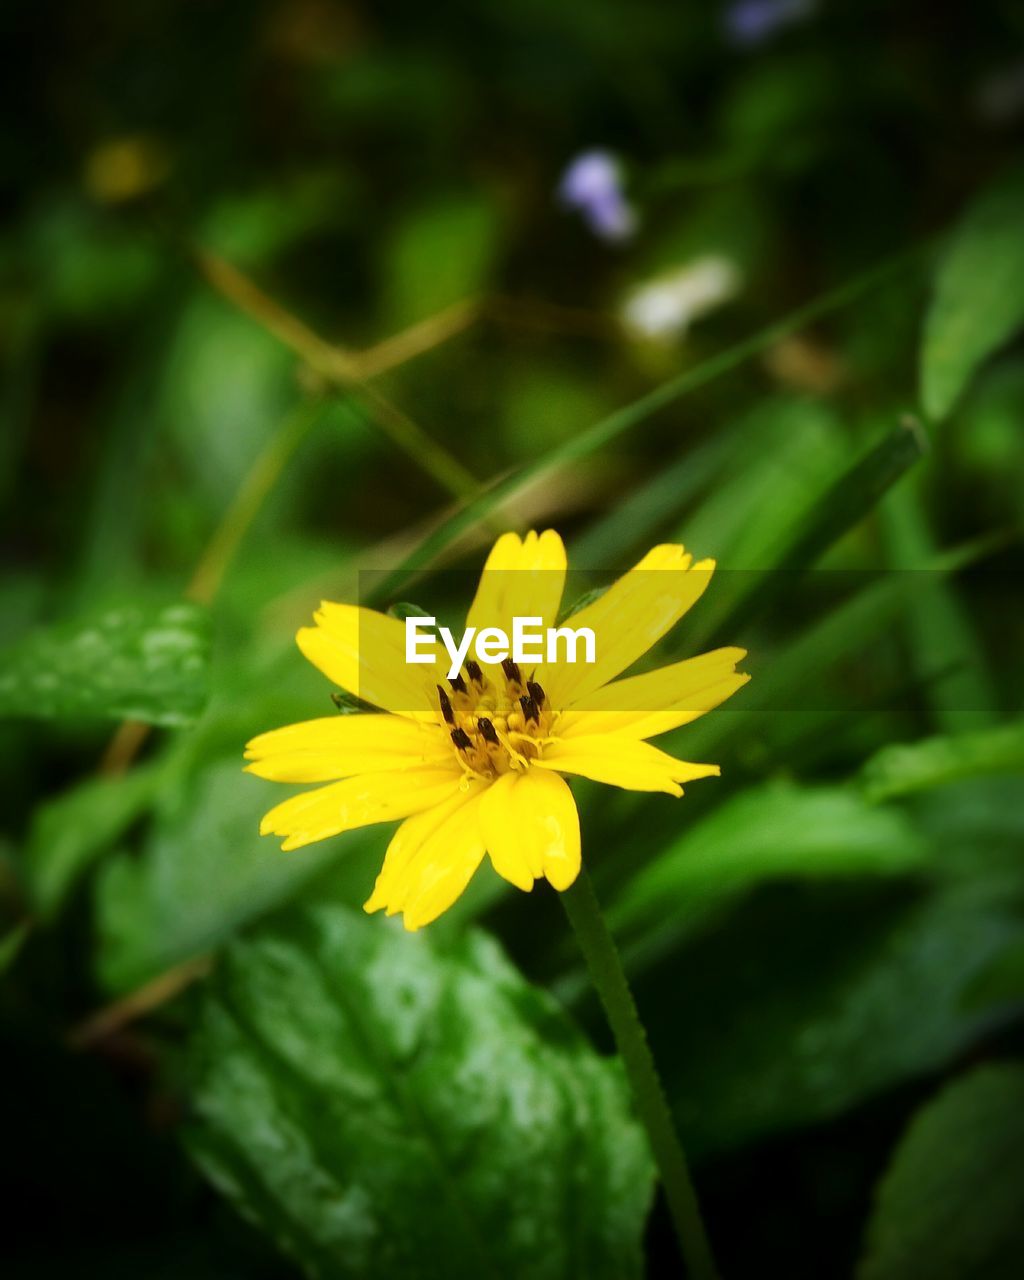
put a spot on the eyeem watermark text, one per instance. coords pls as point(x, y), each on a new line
point(531, 642)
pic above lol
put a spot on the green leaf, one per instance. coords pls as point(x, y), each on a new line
point(812, 1000)
point(785, 454)
point(205, 872)
point(581, 601)
point(11, 944)
point(439, 254)
point(978, 301)
point(949, 1206)
point(639, 514)
point(131, 662)
point(780, 681)
point(778, 831)
point(837, 509)
point(349, 705)
point(250, 227)
point(1001, 981)
point(382, 1104)
point(71, 831)
point(939, 629)
point(402, 609)
point(899, 770)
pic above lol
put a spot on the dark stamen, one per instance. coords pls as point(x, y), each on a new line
point(529, 707)
point(536, 692)
point(461, 739)
point(487, 729)
point(474, 672)
point(511, 671)
point(458, 684)
point(446, 705)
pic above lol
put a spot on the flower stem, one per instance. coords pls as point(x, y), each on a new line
point(609, 979)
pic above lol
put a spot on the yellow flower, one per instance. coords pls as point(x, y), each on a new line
point(473, 765)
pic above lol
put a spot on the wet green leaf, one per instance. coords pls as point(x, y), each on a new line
point(130, 662)
point(950, 1205)
point(382, 1104)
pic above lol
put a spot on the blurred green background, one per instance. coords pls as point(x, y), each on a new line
point(288, 293)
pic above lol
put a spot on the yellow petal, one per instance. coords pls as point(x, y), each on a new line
point(632, 615)
point(646, 705)
point(513, 858)
point(440, 868)
point(358, 802)
point(340, 746)
point(406, 843)
point(622, 762)
point(522, 578)
point(532, 828)
point(364, 652)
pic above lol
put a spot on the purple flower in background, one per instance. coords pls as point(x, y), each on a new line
point(751, 22)
point(592, 185)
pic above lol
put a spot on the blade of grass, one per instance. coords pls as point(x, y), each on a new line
point(649, 507)
point(842, 506)
point(847, 629)
point(939, 629)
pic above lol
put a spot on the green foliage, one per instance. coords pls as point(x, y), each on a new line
point(205, 873)
point(818, 937)
point(978, 301)
point(950, 1204)
point(999, 982)
point(129, 662)
point(899, 770)
point(768, 833)
point(781, 458)
point(384, 1105)
point(806, 534)
point(825, 1006)
point(71, 831)
point(437, 255)
point(11, 944)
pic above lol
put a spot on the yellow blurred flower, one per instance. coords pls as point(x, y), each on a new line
point(473, 765)
point(124, 168)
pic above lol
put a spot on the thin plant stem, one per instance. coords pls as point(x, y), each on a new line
point(341, 369)
point(609, 979)
point(258, 484)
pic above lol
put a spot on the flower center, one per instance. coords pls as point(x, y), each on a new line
point(495, 725)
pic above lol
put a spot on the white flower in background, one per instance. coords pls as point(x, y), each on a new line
point(666, 306)
point(592, 186)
